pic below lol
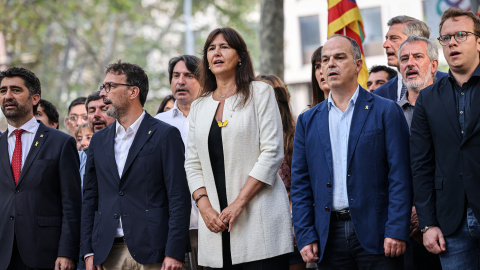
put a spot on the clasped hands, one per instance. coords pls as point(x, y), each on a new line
point(220, 222)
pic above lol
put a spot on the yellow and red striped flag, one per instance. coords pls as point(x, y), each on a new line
point(344, 18)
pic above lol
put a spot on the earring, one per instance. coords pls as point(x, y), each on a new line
point(239, 63)
point(208, 67)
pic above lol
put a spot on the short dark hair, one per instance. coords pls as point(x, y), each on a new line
point(390, 71)
point(75, 102)
point(92, 97)
point(50, 110)
point(29, 78)
point(455, 12)
point(165, 100)
point(135, 76)
point(191, 62)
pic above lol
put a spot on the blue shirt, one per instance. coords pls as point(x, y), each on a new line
point(463, 97)
point(339, 127)
point(83, 160)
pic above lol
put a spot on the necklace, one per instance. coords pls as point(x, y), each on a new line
point(223, 96)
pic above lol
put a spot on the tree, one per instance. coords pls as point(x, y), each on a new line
point(271, 37)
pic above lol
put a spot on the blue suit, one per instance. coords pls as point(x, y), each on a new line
point(378, 176)
point(390, 89)
point(151, 197)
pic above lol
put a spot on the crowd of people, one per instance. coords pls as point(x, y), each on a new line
point(224, 177)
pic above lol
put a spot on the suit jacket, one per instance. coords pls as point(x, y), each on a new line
point(253, 146)
point(390, 89)
point(445, 162)
point(43, 209)
point(378, 174)
point(151, 197)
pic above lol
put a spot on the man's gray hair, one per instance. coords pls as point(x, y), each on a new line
point(356, 52)
point(432, 48)
point(413, 27)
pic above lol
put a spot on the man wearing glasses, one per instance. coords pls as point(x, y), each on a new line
point(77, 115)
point(136, 207)
point(445, 148)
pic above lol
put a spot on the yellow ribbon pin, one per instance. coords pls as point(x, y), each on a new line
point(366, 107)
point(222, 124)
point(36, 143)
point(149, 131)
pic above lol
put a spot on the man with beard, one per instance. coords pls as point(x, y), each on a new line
point(96, 112)
point(40, 197)
point(185, 87)
point(400, 28)
point(418, 59)
point(136, 205)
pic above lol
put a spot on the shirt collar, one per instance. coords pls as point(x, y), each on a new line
point(134, 127)
point(30, 126)
point(476, 73)
point(402, 102)
point(176, 111)
point(352, 101)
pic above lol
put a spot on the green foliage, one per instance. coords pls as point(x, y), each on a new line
point(68, 43)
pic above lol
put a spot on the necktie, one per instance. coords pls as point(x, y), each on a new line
point(17, 155)
point(403, 91)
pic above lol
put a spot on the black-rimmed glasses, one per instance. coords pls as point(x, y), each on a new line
point(460, 37)
point(108, 85)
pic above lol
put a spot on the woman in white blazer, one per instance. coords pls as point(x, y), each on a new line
point(235, 148)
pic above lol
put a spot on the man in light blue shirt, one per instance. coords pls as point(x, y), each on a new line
point(185, 88)
point(351, 183)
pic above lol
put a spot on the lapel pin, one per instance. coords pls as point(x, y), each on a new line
point(41, 135)
point(149, 131)
point(222, 124)
point(36, 143)
point(366, 107)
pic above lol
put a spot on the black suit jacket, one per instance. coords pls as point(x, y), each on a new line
point(43, 210)
point(445, 163)
point(151, 197)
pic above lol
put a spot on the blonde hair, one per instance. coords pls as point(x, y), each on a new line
point(81, 127)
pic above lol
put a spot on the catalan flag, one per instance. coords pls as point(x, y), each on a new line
point(344, 18)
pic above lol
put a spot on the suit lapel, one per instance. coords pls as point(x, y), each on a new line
point(37, 145)
point(324, 133)
point(450, 107)
point(5, 158)
point(144, 132)
point(363, 106)
point(109, 144)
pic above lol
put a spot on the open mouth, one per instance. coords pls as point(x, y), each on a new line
point(412, 73)
point(107, 101)
point(217, 62)
point(333, 73)
point(181, 90)
point(454, 53)
point(390, 54)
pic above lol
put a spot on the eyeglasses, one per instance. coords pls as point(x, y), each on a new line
point(108, 85)
point(74, 117)
point(460, 37)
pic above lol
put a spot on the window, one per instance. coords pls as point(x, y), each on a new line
point(373, 43)
point(310, 36)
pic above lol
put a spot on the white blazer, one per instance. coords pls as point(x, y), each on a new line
point(253, 146)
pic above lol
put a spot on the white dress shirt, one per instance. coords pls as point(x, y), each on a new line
point(123, 142)
point(399, 85)
point(30, 127)
point(176, 118)
point(339, 126)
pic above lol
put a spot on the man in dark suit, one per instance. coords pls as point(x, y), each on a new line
point(136, 205)
point(39, 183)
point(351, 167)
point(400, 28)
point(445, 148)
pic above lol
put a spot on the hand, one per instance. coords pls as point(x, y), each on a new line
point(89, 264)
point(230, 214)
point(211, 219)
point(170, 263)
point(64, 263)
point(433, 240)
point(394, 247)
point(310, 252)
